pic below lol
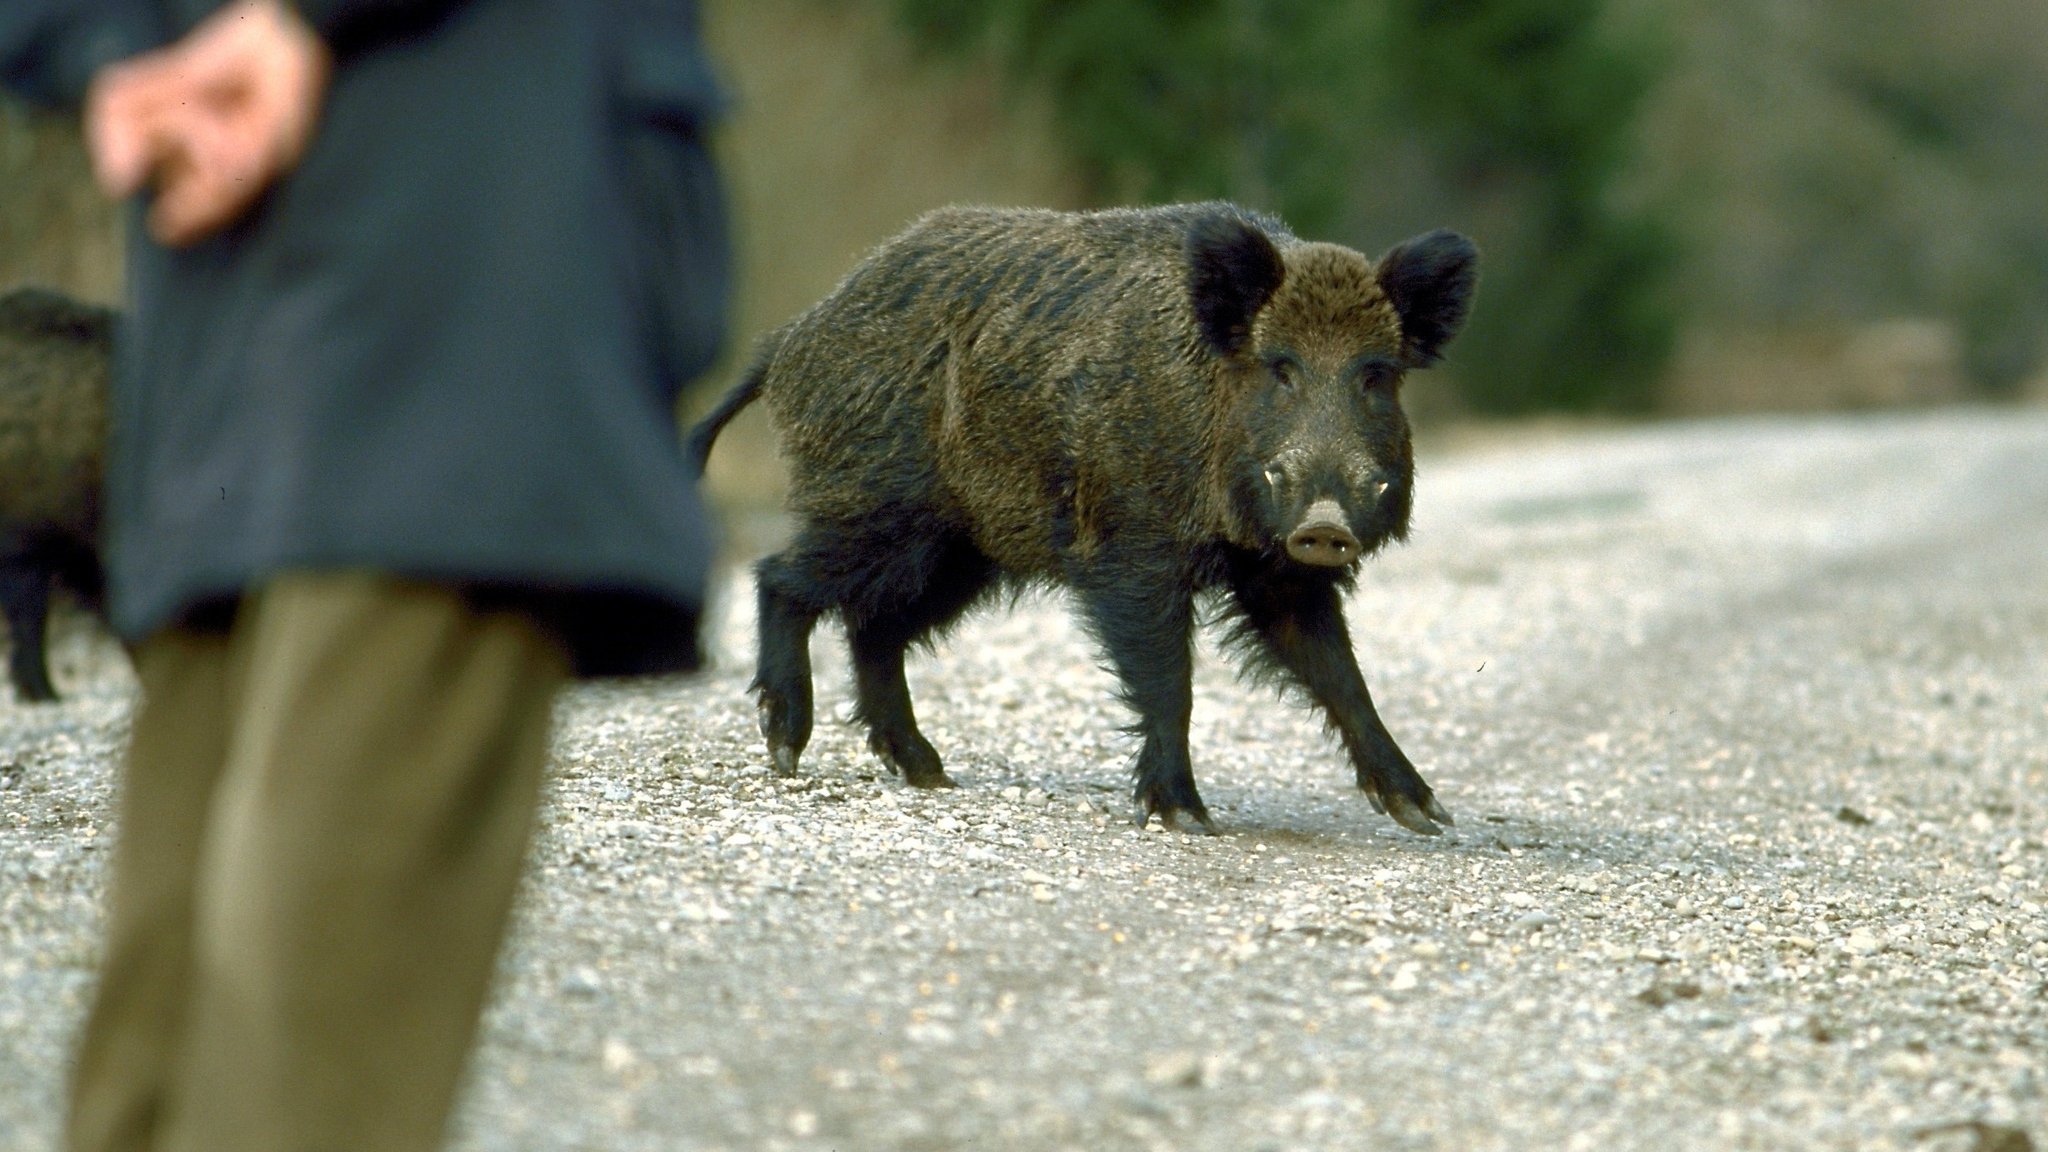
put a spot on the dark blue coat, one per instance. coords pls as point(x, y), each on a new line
point(449, 344)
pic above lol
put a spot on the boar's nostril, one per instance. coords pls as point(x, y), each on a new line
point(1323, 539)
point(1326, 546)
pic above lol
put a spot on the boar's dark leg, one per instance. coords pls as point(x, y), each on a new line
point(25, 598)
point(1295, 626)
point(956, 578)
point(782, 678)
point(1148, 636)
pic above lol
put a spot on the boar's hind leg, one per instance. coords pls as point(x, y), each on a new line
point(25, 598)
point(782, 678)
point(1147, 637)
point(1297, 626)
point(954, 580)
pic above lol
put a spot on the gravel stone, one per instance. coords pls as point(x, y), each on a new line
point(1181, 1069)
point(582, 982)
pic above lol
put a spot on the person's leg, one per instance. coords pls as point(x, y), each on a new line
point(133, 1035)
point(381, 782)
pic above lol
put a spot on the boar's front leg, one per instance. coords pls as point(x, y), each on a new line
point(1296, 625)
point(25, 598)
point(1147, 631)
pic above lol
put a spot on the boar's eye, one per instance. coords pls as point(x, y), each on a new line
point(1284, 370)
point(1377, 375)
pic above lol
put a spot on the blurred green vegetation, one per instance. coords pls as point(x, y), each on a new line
point(1845, 161)
point(1542, 98)
point(1747, 184)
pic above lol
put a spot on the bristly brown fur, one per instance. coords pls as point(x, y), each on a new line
point(1330, 306)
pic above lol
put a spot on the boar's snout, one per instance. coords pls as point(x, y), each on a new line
point(1323, 538)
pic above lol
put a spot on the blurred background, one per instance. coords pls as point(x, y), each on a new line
point(1686, 206)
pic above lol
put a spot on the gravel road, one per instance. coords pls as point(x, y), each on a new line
point(1745, 725)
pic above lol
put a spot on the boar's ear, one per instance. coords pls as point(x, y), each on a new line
point(1233, 269)
point(1430, 280)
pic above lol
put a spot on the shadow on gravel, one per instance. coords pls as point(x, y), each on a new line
point(1567, 847)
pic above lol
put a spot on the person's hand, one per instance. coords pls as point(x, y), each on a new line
point(210, 122)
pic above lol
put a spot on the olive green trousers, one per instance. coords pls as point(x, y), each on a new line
point(322, 821)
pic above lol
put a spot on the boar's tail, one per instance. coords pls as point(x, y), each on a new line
point(749, 387)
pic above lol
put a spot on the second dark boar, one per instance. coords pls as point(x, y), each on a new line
point(1141, 405)
point(55, 355)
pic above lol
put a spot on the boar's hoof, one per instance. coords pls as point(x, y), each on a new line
point(1417, 817)
point(1170, 819)
point(1408, 816)
point(917, 777)
point(912, 758)
point(783, 751)
point(31, 681)
point(1437, 811)
point(782, 754)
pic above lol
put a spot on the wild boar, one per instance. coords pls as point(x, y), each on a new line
point(1139, 405)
